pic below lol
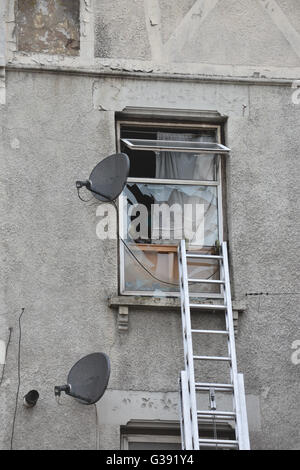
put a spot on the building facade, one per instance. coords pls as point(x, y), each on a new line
point(77, 78)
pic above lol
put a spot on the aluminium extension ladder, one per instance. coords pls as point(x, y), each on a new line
point(189, 384)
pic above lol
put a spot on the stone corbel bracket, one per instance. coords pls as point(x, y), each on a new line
point(123, 303)
point(123, 317)
point(238, 306)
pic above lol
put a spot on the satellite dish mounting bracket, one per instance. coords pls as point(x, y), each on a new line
point(68, 391)
point(87, 184)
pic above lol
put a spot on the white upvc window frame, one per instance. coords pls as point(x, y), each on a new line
point(175, 145)
point(126, 439)
point(217, 183)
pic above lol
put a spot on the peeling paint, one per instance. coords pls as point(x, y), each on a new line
point(48, 26)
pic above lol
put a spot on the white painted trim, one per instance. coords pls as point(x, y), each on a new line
point(177, 146)
point(171, 181)
point(87, 35)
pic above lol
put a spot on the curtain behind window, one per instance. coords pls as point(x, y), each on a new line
point(189, 166)
point(183, 165)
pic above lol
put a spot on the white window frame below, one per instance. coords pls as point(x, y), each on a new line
point(148, 438)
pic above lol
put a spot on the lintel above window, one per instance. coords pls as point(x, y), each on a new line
point(176, 146)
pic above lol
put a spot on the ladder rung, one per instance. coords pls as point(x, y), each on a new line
point(222, 414)
point(211, 332)
point(209, 419)
point(212, 358)
point(205, 387)
point(204, 256)
point(207, 281)
point(223, 443)
point(209, 306)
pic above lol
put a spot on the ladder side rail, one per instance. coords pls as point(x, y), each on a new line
point(180, 409)
point(231, 343)
point(186, 424)
point(185, 405)
point(244, 438)
point(183, 309)
point(183, 315)
point(187, 340)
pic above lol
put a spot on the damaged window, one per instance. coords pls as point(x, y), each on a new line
point(173, 193)
point(48, 26)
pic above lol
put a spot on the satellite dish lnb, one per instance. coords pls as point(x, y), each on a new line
point(108, 178)
point(88, 379)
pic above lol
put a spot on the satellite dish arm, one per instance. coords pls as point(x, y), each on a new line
point(87, 184)
point(80, 184)
point(61, 388)
point(67, 389)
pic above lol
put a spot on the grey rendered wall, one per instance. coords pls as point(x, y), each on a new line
point(235, 32)
point(56, 126)
point(59, 271)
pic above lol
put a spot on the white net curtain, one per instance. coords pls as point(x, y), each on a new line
point(173, 165)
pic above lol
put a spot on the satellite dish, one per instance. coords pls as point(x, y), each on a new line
point(108, 178)
point(88, 379)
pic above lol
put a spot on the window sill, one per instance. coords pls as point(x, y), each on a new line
point(124, 302)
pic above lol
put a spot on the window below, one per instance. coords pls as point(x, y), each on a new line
point(150, 435)
point(173, 193)
point(165, 435)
